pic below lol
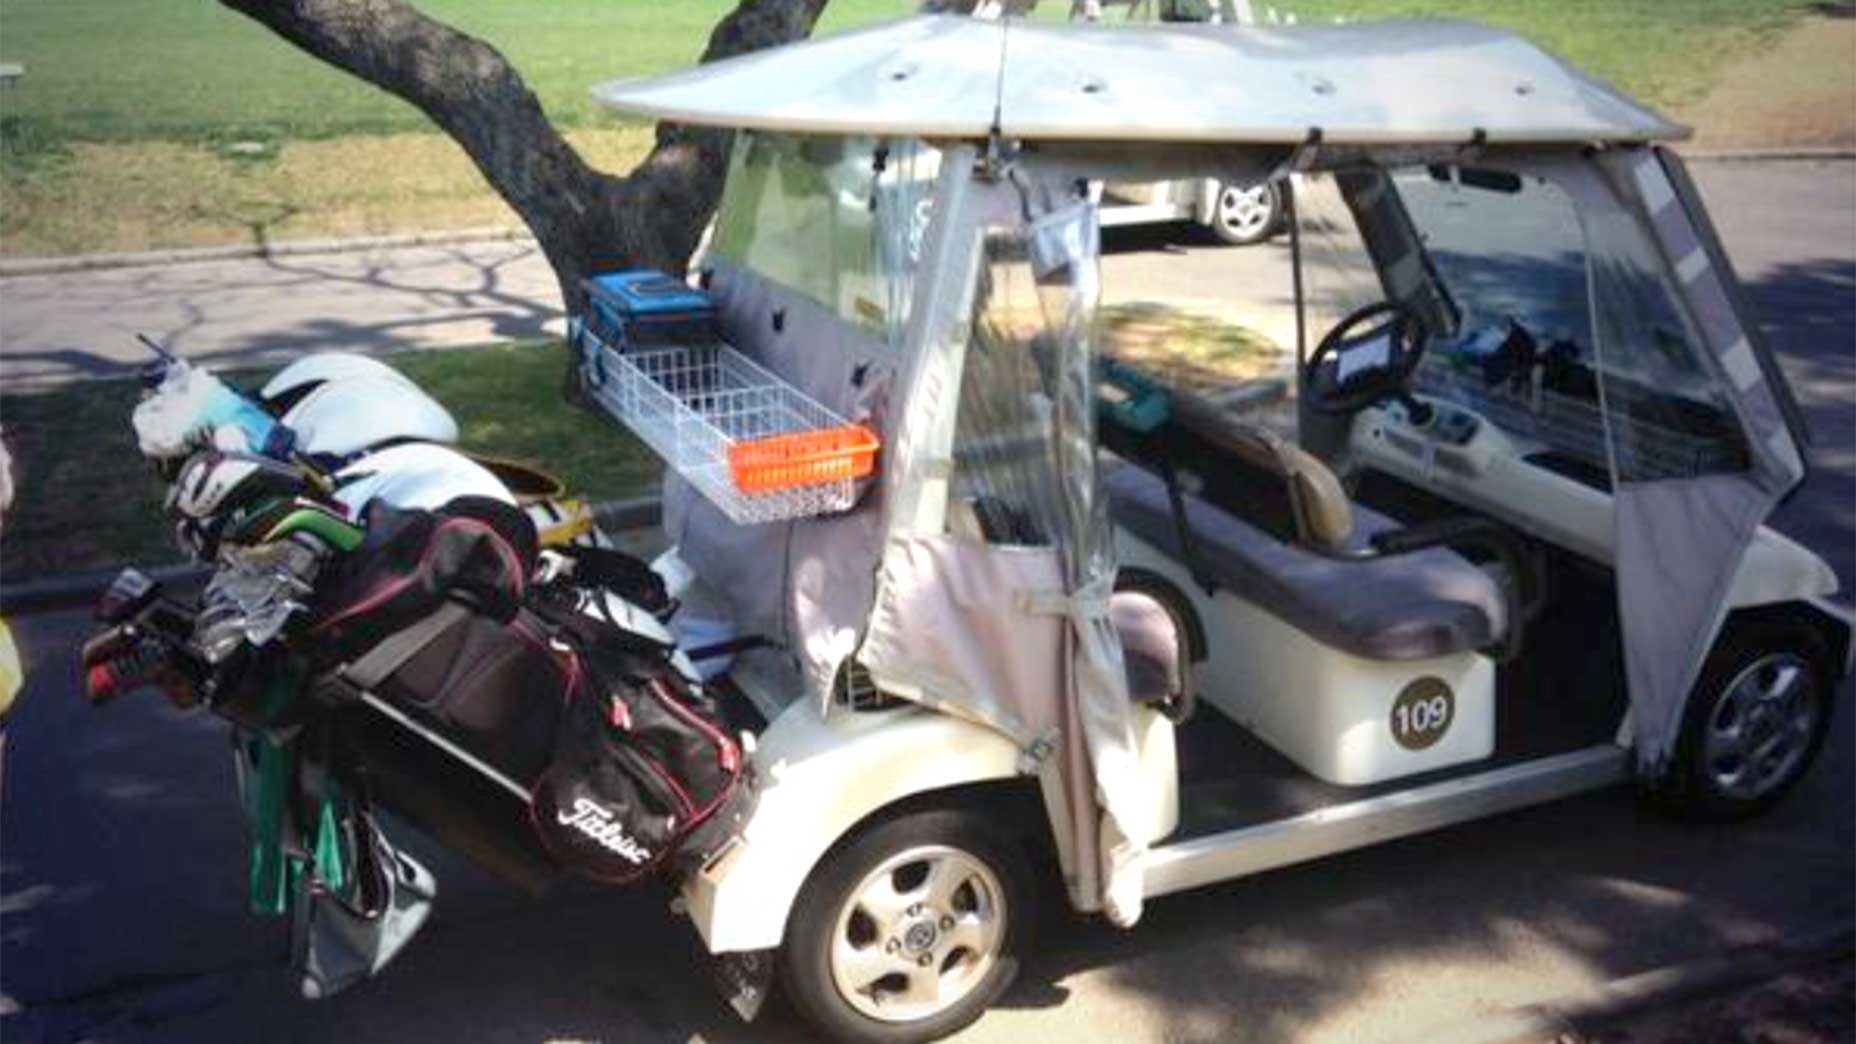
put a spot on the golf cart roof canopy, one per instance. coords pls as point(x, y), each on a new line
point(940, 76)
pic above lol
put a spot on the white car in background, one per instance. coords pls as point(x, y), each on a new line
point(1235, 213)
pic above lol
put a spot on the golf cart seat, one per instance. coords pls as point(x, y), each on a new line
point(1354, 579)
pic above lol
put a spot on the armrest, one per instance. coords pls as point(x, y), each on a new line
point(1470, 531)
point(1457, 530)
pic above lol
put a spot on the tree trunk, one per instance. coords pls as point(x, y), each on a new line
point(583, 219)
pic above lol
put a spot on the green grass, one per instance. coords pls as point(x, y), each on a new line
point(1662, 51)
point(507, 399)
point(116, 138)
point(86, 499)
point(192, 70)
point(1184, 348)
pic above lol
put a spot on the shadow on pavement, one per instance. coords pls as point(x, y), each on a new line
point(1808, 312)
point(372, 302)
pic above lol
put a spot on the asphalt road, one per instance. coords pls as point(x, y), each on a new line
point(263, 312)
point(121, 861)
point(254, 313)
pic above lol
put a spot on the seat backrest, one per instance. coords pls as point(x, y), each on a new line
point(1323, 513)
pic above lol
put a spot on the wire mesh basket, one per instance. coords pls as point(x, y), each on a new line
point(756, 447)
point(1575, 426)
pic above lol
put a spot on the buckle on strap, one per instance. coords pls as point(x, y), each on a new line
point(1032, 758)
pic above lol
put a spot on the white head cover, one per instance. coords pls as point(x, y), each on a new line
point(322, 368)
point(346, 416)
point(415, 475)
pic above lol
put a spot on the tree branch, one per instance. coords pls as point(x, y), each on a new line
point(681, 180)
point(651, 217)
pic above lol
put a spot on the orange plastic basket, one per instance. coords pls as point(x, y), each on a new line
point(803, 458)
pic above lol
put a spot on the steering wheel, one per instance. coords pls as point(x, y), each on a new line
point(1389, 339)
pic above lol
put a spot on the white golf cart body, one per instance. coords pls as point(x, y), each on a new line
point(902, 240)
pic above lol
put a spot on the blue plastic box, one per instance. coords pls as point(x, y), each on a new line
point(643, 308)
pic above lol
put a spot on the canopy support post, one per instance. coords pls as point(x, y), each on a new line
point(1295, 273)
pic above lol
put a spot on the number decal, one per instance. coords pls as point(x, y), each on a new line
point(1422, 713)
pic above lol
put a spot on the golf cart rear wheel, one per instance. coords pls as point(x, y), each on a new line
point(1755, 721)
point(1246, 214)
point(909, 932)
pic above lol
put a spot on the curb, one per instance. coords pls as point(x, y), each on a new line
point(1576, 1016)
point(69, 590)
point(288, 248)
point(26, 266)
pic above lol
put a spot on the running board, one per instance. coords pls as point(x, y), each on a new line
point(1341, 828)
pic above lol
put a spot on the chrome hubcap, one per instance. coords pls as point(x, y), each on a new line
point(1761, 725)
point(918, 934)
point(919, 938)
point(1245, 211)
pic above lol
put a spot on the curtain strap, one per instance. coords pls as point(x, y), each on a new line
point(1091, 602)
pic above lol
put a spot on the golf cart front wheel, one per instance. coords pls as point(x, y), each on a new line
point(910, 931)
point(1755, 721)
point(1246, 214)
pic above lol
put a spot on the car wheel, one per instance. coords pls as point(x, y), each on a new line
point(1755, 721)
point(910, 931)
point(1246, 214)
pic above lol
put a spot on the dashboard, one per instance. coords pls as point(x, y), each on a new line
point(1461, 457)
point(1548, 494)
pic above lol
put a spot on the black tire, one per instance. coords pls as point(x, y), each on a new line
point(1694, 788)
point(1250, 225)
point(807, 968)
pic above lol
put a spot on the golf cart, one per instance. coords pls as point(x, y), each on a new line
point(1073, 624)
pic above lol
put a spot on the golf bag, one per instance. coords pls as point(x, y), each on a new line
point(622, 758)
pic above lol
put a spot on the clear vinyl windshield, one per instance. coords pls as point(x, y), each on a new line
point(1514, 293)
point(840, 220)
